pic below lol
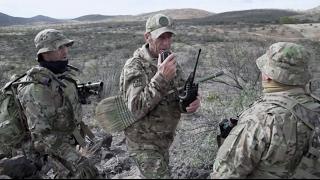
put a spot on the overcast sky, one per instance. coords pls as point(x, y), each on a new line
point(76, 8)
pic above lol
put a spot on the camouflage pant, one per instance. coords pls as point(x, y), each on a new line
point(152, 164)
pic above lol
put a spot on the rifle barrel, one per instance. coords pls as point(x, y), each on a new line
point(210, 77)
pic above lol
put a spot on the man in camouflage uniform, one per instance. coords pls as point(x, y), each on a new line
point(270, 139)
point(53, 112)
point(149, 87)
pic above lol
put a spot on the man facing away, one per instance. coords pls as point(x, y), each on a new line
point(272, 136)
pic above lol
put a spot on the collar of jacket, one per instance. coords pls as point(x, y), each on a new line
point(144, 53)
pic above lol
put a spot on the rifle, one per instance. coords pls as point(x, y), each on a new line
point(87, 89)
point(210, 77)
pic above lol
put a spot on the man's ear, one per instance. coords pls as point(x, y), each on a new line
point(147, 36)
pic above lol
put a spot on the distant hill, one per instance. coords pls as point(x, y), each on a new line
point(309, 16)
point(41, 18)
point(93, 17)
point(315, 10)
point(187, 13)
point(6, 20)
point(246, 16)
point(174, 13)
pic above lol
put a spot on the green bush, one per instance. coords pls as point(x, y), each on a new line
point(287, 20)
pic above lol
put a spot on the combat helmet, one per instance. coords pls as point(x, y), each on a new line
point(50, 40)
point(286, 63)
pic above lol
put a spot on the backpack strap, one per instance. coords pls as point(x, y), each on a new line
point(301, 112)
point(296, 108)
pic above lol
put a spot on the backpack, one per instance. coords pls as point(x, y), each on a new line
point(13, 122)
point(309, 165)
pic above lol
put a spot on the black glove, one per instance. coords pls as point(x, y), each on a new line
point(226, 125)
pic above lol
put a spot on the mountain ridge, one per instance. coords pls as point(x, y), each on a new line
point(188, 14)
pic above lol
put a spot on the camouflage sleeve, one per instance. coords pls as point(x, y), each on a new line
point(242, 149)
point(141, 95)
point(49, 126)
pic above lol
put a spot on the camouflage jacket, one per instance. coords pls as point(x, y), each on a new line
point(152, 99)
point(53, 112)
point(268, 141)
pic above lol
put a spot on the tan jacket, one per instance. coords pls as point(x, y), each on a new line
point(152, 99)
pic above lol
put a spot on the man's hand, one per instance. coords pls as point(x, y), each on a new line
point(194, 105)
point(168, 67)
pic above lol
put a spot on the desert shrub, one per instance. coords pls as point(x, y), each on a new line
point(287, 20)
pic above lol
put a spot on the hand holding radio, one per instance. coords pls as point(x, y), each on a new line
point(167, 65)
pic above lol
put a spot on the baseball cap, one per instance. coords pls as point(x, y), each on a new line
point(159, 24)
